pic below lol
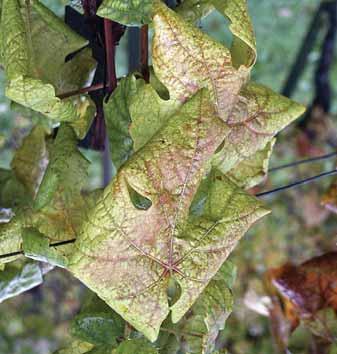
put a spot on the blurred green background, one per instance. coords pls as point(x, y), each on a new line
point(37, 321)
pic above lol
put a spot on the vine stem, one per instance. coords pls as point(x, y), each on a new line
point(83, 90)
point(144, 52)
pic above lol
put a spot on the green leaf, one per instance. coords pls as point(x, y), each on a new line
point(139, 346)
point(98, 324)
point(134, 114)
point(252, 171)
point(127, 12)
point(256, 118)
point(10, 237)
point(185, 59)
point(33, 38)
point(12, 192)
point(15, 280)
point(36, 246)
point(60, 207)
point(129, 266)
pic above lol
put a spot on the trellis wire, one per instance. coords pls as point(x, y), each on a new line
point(258, 195)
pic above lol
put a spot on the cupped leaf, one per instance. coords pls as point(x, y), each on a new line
point(257, 117)
point(244, 44)
point(15, 280)
point(252, 171)
point(129, 266)
point(33, 38)
point(127, 12)
point(59, 207)
point(185, 60)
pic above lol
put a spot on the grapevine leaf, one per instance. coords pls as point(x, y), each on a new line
point(17, 279)
point(149, 113)
point(199, 328)
point(165, 173)
point(139, 346)
point(27, 51)
point(19, 186)
point(257, 117)
point(12, 192)
point(134, 114)
point(31, 159)
point(118, 119)
point(252, 171)
point(59, 204)
point(185, 60)
point(76, 347)
point(127, 12)
point(98, 324)
point(244, 44)
point(212, 231)
point(10, 237)
point(36, 246)
point(193, 10)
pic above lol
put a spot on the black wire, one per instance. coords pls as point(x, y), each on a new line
point(301, 162)
point(56, 244)
point(297, 183)
point(262, 194)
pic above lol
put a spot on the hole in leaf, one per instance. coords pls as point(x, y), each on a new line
point(139, 201)
point(173, 291)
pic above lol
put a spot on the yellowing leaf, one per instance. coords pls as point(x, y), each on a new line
point(10, 238)
point(244, 44)
point(185, 60)
point(198, 330)
point(35, 65)
point(127, 251)
point(257, 117)
point(31, 159)
point(251, 172)
point(59, 206)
